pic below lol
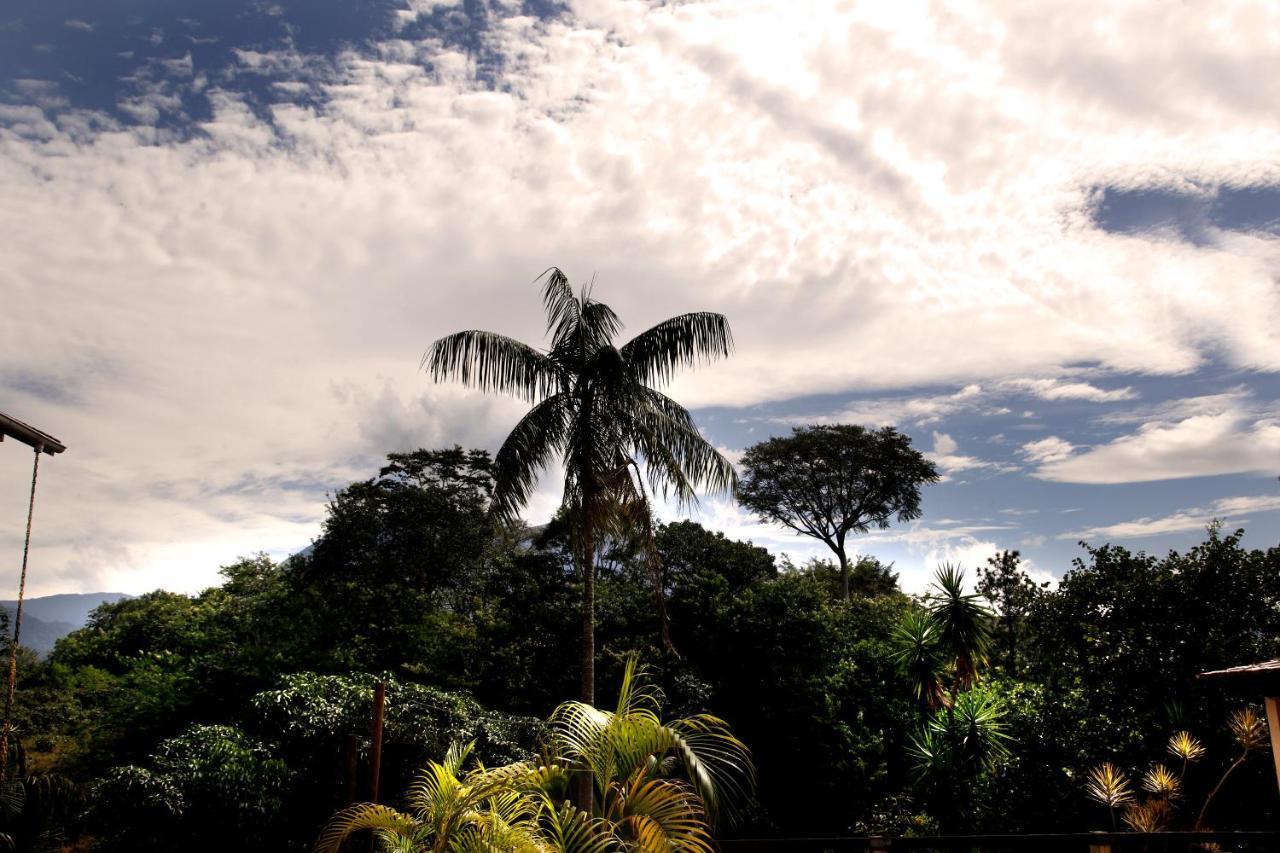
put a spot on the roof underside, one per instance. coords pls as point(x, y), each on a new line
point(13, 428)
point(1264, 676)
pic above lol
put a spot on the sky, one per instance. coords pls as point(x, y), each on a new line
point(1042, 239)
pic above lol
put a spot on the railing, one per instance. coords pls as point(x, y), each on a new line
point(1077, 842)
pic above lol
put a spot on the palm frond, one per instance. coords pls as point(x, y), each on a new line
point(529, 449)
point(492, 362)
point(655, 814)
point(570, 830)
point(675, 452)
point(383, 820)
point(564, 309)
point(717, 763)
point(682, 341)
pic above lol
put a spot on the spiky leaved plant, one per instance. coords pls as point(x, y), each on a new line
point(1108, 785)
point(1161, 782)
point(918, 656)
point(963, 625)
point(1149, 816)
point(1249, 730)
point(1182, 744)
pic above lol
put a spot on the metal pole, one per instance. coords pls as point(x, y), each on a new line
point(17, 625)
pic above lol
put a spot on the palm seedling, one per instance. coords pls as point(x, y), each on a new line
point(595, 408)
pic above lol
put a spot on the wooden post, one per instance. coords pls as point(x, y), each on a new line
point(375, 753)
point(1273, 723)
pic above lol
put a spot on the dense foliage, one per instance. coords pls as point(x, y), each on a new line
point(176, 722)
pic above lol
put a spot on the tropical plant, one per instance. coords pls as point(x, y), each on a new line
point(658, 787)
point(1148, 816)
point(1249, 729)
point(653, 776)
point(473, 811)
point(1182, 744)
point(1108, 785)
point(1162, 782)
point(973, 735)
point(964, 625)
point(918, 657)
point(594, 408)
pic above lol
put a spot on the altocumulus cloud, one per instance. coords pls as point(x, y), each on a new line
point(879, 197)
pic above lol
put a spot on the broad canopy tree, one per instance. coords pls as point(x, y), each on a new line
point(595, 408)
point(827, 481)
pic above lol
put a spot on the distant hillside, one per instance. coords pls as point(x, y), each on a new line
point(49, 617)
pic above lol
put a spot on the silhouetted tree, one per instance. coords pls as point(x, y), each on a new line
point(829, 481)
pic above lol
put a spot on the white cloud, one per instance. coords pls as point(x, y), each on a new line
point(1047, 450)
point(879, 196)
point(1198, 446)
point(1057, 389)
point(1233, 511)
point(950, 461)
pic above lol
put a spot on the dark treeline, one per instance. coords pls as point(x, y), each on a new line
point(190, 722)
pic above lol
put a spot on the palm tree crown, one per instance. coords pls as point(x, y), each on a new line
point(594, 406)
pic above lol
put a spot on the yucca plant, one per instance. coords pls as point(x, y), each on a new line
point(918, 657)
point(973, 735)
point(1108, 785)
point(963, 625)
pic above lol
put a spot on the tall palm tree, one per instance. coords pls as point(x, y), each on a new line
point(595, 409)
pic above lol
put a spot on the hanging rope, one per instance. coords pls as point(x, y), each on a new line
point(17, 626)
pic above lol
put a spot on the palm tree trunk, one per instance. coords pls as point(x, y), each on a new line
point(585, 787)
point(588, 617)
